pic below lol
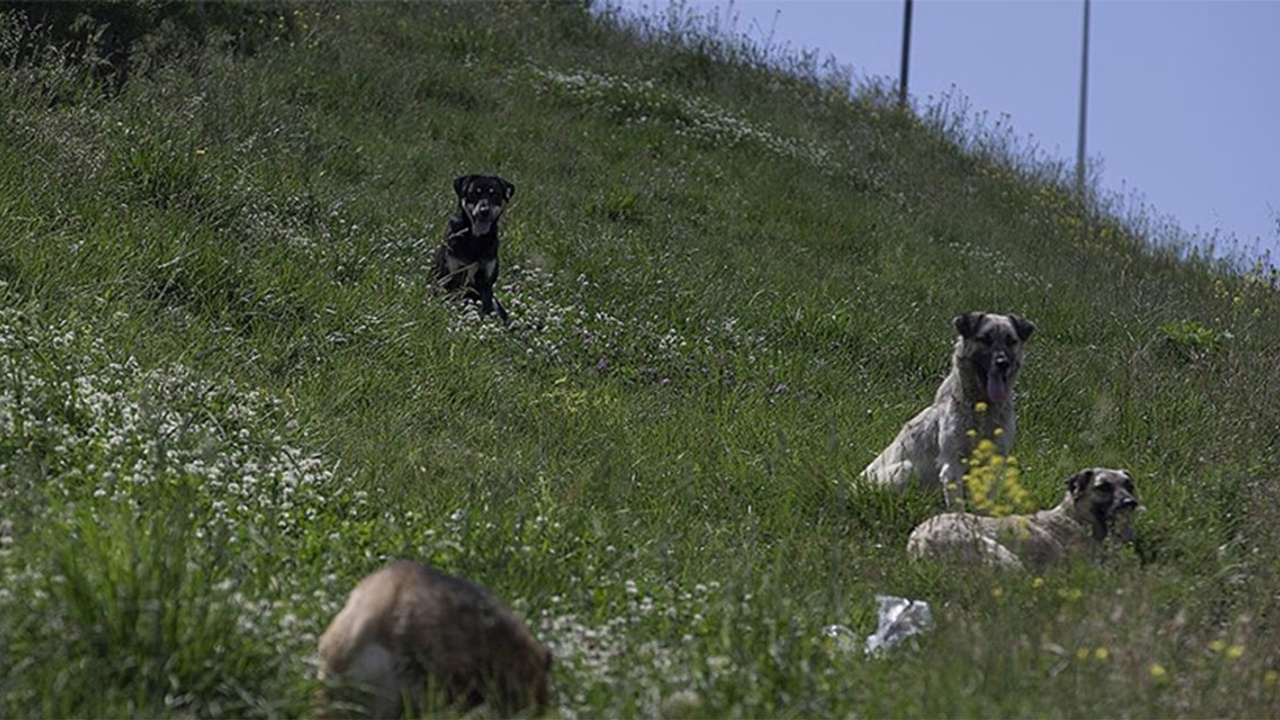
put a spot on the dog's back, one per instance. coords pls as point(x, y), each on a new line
point(357, 648)
point(1005, 542)
point(408, 630)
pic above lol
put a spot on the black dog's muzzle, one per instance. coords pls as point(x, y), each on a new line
point(482, 215)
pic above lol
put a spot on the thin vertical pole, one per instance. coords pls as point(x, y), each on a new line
point(1084, 104)
point(906, 54)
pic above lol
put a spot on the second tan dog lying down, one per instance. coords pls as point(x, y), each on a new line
point(1099, 503)
point(408, 629)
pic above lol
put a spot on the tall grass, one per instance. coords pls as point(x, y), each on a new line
point(226, 390)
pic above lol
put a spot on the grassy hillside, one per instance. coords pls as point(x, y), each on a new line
point(227, 391)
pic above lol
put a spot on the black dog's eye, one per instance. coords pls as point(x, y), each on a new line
point(985, 339)
point(1013, 342)
point(1105, 487)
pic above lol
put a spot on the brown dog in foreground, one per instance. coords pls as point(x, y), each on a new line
point(1099, 502)
point(413, 638)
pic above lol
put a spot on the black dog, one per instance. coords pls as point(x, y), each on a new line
point(468, 259)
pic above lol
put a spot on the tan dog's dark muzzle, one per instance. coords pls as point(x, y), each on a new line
point(1122, 517)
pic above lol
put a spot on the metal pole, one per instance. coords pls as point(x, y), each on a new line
point(1084, 104)
point(906, 54)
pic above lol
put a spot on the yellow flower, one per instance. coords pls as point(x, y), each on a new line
point(1037, 582)
point(1234, 652)
point(998, 432)
point(971, 433)
point(1082, 653)
point(997, 592)
point(1158, 672)
point(1101, 653)
point(1217, 646)
point(1270, 677)
point(199, 151)
point(980, 407)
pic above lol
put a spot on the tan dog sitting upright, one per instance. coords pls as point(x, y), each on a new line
point(410, 635)
point(1099, 502)
point(984, 366)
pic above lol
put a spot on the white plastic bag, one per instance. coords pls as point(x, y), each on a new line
point(900, 618)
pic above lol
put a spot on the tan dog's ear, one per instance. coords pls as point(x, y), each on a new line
point(968, 323)
point(1023, 326)
point(1079, 483)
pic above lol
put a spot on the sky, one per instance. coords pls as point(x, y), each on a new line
point(1184, 95)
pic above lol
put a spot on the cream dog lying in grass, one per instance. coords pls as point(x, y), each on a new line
point(1099, 502)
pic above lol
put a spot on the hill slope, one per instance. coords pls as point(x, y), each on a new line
point(228, 392)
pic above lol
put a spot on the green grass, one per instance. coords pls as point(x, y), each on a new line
point(226, 391)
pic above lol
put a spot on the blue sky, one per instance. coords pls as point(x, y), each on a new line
point(1184, 97)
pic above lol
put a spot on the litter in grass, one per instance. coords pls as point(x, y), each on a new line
point(900, 618)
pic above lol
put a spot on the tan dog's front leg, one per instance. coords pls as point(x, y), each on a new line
point(951, 467)
point(952, 478)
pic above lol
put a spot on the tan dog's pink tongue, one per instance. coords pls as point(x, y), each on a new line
point(997, 390)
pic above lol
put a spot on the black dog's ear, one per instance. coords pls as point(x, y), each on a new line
point(508, 189)
point(460, 183)
point(1023, 326)
point(968, 323)
point(1079, 482)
